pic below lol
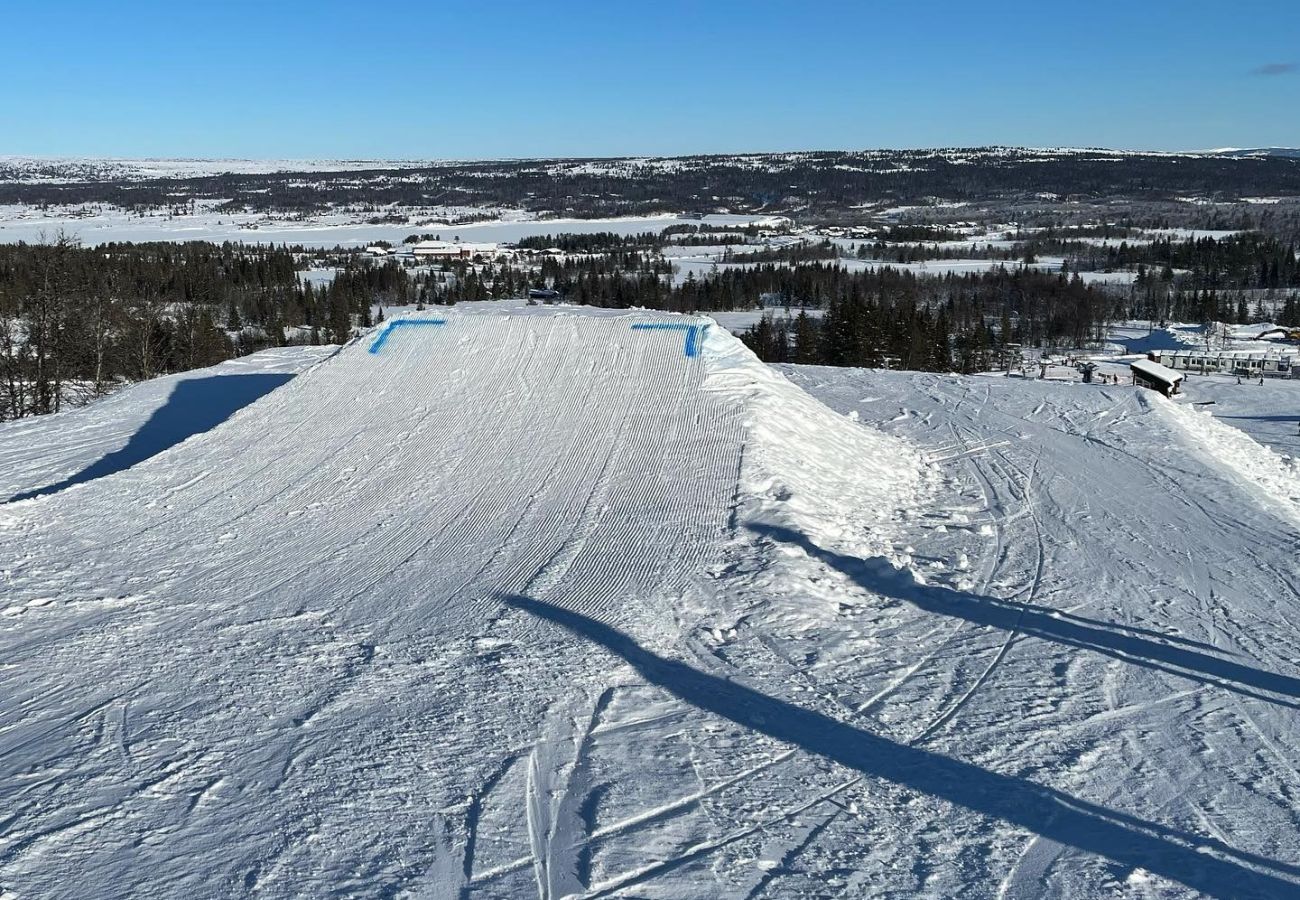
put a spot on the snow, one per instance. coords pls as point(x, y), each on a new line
point(532, 603)
point(1273, 478)
point(323, 592)
point(41, 451)
point(317, 277)
point(98, 224)
point(1155, 370)
point(1126, 635)
point(1269, 412)
point(1144, 337)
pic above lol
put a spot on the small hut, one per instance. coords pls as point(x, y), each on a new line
point(1153, 375)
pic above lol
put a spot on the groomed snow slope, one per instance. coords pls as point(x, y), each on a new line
point(292, 655)
point(543, 605)
point(44, 453)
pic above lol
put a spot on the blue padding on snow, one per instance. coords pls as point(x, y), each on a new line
point(382, 337)
point(693, 333)
point(693, 338)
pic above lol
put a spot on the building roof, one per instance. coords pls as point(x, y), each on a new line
point(464, 247)
point(1269, 353)
point(1155, 370)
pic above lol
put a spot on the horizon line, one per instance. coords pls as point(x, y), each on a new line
point(1062, 148)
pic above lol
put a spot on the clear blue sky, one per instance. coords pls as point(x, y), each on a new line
point(484, 79)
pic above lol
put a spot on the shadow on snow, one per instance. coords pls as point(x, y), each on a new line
point(1169, 654)
point(1202, 863)
point(195, 405)
point(1290, 418)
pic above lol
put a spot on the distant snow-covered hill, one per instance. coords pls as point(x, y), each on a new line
point(1278, 152)
point(828, 184)
point(65, 170)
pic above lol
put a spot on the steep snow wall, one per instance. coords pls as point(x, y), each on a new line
point(810, 468)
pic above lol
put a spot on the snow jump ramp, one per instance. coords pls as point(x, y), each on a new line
point(530, 605)
point(291, 629)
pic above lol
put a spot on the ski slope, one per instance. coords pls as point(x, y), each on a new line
point(43, 453)
point(591, 603)
point(279, 655)
point(1109, 602)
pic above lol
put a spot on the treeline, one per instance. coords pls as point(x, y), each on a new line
point(969, 323)
point(604, 241)
point(1245, 261)
point(76, 321)
point(1248, 260)
point(891, 313)
point(872, 334)
point(793, 253)
point(901, 234)
point(711, 239)
point(1289, 314)
point(612, 276)
point(72, 322)
point(595, 242)
point(1155, 298)
point(1041, 307)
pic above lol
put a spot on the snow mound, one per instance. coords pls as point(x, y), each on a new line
point(43, 454)
point(1272, 477)
point(291, 639)
point(809, 468)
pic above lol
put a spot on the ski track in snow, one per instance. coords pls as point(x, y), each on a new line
point(525, 606)
point(1138, 532)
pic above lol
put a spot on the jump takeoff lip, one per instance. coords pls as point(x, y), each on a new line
point(382, 337)
point(693, 333)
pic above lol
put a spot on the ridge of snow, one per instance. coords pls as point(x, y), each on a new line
point(1270, 476)
point(794, 471)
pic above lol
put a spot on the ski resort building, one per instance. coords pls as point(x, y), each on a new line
point(1229, 362)
point(453, 250)
point(1153, 375)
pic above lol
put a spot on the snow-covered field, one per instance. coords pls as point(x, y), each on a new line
point(1120, 627)
point(97, 224)
point(552, 603)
